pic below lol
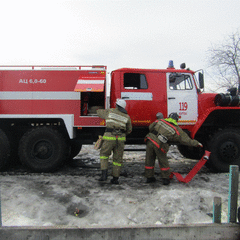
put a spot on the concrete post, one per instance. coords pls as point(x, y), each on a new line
point(217, 207)
point(233, 193)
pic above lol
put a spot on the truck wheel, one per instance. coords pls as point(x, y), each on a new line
point(225, 150)
point(4, 150)
point(43, 149)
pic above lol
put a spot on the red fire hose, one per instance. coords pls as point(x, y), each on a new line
point(194, 171)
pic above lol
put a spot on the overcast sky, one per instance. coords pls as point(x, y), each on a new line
point(115, 33)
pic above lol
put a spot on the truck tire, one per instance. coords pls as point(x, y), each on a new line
point(43, 149)
point(225, 150)
point(4, 150)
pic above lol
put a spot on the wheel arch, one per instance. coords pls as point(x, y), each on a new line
point(215, 119)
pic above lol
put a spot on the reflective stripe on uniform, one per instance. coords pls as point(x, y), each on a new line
point(103, 157)
point(147, 167)
point(117, 164)
point(155, 143)
point(114, 138)
point(117, 117)
point(163, 150)
point(165, 169)
point(115, 122)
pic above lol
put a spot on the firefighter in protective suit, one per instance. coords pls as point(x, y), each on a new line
point(161, 132)
point(118, 125)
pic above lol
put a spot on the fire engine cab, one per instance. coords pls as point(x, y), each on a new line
point(48, 112)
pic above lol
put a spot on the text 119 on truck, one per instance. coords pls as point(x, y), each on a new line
point(48, 112)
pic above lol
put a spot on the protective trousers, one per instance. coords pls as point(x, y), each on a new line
point(117, 148)
point(152, 151)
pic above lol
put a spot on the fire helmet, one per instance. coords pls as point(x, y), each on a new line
point(174, 116)
point(159, 115)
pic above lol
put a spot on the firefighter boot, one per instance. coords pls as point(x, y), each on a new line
point(115, 180)
point(166, 181)
point(104, 176)
point(151, 180)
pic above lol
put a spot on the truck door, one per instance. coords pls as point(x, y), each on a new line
point(139, 98)
point(182, 97)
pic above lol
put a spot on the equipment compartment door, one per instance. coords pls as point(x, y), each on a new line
point(182, 97)
point(92, 90)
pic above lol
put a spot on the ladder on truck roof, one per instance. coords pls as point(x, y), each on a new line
point(66, 68)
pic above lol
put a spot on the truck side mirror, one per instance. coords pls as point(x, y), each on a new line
point(201, 80)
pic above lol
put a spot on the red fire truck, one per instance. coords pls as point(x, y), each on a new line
point(47, 112)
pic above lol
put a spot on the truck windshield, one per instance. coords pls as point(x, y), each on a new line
point(179, 81)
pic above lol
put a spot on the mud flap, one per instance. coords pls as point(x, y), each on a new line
point(194, 171)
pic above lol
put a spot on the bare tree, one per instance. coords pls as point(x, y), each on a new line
point(225, 59)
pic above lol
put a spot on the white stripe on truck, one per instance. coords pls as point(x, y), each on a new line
point(39, 95)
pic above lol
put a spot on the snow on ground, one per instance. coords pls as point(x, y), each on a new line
point(73, 196)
